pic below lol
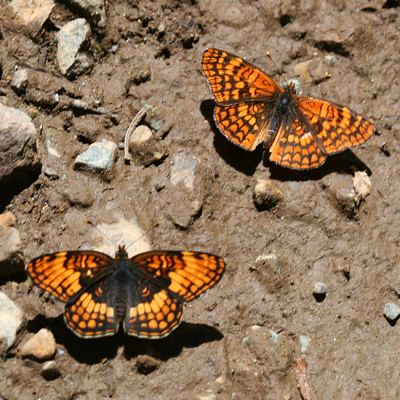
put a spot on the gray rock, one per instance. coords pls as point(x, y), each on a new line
point(70, 39)
point(99, 157)
point(19, 81)
point(41, 346)
point(183, 170)
point(18, 153)
point(93, 9)
point(50, 371)
point(11, 255)
point(319, 291)
point(29, 16)
point(391, 311)
point(10, 322)
point(267, 194)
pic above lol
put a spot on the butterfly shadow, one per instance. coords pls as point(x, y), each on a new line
point(345, 163)
point(94, 351)
point(187, 335)
point(242, 160)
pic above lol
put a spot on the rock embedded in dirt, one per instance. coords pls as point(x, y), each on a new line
point(17, 145)
point(99, 157)
point(29, 16)
point(140, 135)
point(71, 38)
point(183, 170)
point(314, 70)
point(267, 194)
point(10, 322)
point(93, 9)
point(50, 371)
point(11, 254)
point(146, 364)
point(319, 291)
point(392, 312)
point(19, 81)
point(362, 185)
point(7, 219)
point(41, 346)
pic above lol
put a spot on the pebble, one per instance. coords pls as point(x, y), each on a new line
point(228, 12)
point(17, 146)
point(267, 194)
point(19, 81)
point(391, 311)
point(41, 346)
point(140, 135)
point(94, 9)
point(146, 364)
point(304, 342)
point(7, 219)
point(10, 322)
point(319, 291)
point(99, 157)
point(207, 396)
point(50, 371)
point(70, 39)
point(31, 17)
point(11, 252)
point(183, 170)
point(314, 70)
point(362, 185)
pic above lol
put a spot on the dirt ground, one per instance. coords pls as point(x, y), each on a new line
point(239, 340)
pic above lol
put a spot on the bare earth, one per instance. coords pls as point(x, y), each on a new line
point(239, 340)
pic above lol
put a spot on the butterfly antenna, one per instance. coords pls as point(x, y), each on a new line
point(276, 67)
point(143, 234)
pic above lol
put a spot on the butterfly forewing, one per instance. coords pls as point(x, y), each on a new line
point(234, 80)
point(65, 273)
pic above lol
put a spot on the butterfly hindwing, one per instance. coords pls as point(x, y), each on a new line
point(234, 80)
point(92, 313)
point(65, 273)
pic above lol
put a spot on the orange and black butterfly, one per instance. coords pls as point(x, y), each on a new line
point(145, 293)
point(252, 108)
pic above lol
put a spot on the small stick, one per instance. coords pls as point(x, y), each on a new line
point(131, 128)
point(300, 367)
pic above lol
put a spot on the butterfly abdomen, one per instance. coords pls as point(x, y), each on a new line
point(121, 281)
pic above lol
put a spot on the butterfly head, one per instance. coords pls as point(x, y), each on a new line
point(121, 253)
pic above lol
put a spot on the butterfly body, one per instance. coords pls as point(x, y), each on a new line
point(252, 109)
point(145, 293)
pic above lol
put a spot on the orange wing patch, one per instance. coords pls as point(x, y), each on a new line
point(337, 127)
point(156, 316)
point(234, 80)
point(65, 273)
point(187, 274)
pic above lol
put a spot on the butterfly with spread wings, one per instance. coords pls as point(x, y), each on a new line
point(145, 293)
point(252, 108)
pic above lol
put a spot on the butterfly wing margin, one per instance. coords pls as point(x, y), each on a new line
point(234, 80)
point(337, 127)
point(65, 273)
point(185, 273)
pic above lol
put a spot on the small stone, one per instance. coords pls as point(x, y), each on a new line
point(41, 346)
point(146, 364)
point(156, 124)
point(362, 185)
point(207, 396)
point(19, 158)
point(304, 342)
point(99, 157)
point(392, 312)
point(267, 194)
point(319, 291)
point(70, 39)
point(11, 252)
point(10, 322)
point(330, 59)
point(19, 81)
point(79, 196)
point(30, 15)
point(8, 219)
point(313, 70)
point(50, 371)
point(220, 380)
point(94, 9)
point(140, 135)
point(183, 170)
point(51, 173)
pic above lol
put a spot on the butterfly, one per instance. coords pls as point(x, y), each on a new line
point(145, 293)
point(252, 108)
